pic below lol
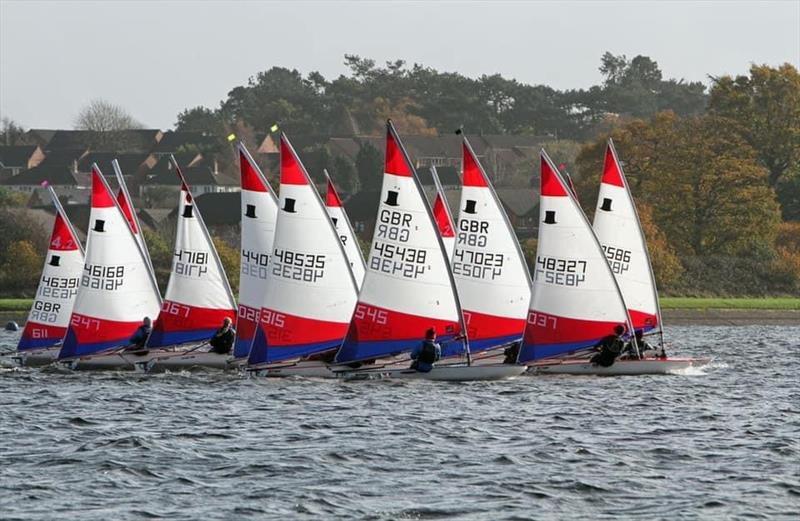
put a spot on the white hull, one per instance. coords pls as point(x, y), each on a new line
point(185, 361)
point(117, 360)
point(36, 357)
point(306, 368)
point(442, 373)
point(620, 367)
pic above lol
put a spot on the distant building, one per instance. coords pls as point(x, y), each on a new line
point(59, 169)
point(16, 158)
point(161, 182)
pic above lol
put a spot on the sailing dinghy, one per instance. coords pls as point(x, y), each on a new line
point(341, 222)
point(488, 264)
point(116, 292)
point(198, 296)
point(311, 289)
point(443, 217)
point(58, 287)
point(576, 299)
point(408, 288)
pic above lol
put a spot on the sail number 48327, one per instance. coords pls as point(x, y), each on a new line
point(564, 272)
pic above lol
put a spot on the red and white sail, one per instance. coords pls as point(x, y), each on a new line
point(311, 291)
point(576, 301)
point(117, 287)
point(259, 216)
point(488, 264)
point(198, 296)
point(408, 286)
point(126, 205)
point(58, 286)
point(617, 226)
point(444, 219)
point(345, 230)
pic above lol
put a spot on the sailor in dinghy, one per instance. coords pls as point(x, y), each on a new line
point(58, 287)
point(408, 288)
point(117, 288)
point(576, 299)
point(198, 299)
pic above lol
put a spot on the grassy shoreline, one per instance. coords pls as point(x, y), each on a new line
point(24, 304)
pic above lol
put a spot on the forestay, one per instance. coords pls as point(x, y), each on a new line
point(117, 288)
point(441, 213)
point(126, 205)
point(490, 270)
point(311, 290)
point(619, 231)
point(198, 296)
point(408, 286)
point(58, 286)
point(259, 214)
point(343, 227)
point(576, 301)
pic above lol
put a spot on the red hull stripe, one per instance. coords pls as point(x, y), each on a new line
point(246, 324)
point(480, 326)
point(249, 175)
point(472, 170)
point(62, 239)
point(88, 334)
point(611, 172)
point(285, 330)
point(291, 170)
point(551, 183)
point(396, 163)
point(641, 320)
point(442, 219)
point(37, 335)
point(101, 198)
point(178, 318)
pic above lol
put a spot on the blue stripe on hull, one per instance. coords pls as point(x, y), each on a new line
point(356, 351)
point(531, 352)
point(37, 343)
point(161, 338)
point(241, 349)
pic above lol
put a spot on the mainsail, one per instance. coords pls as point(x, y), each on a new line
point(259, 214)
point(311, 290)
point(117, 287)
point(408, 286)
point(619, 231)
point(441, 212)
point(58, 286)
point(126, 205)
point(343, 227)
point(490, 270)
point(576, 301)
point(198, 296)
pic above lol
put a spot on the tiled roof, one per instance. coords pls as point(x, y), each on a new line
point(16, 155)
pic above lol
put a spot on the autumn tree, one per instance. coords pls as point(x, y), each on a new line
point(230, 259)
point(19, 273)
point(11, 133)
point(764, 108)
point(106, 123)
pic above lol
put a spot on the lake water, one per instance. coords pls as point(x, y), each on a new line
point(723, 443)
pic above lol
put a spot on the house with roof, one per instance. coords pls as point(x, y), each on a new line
point(177, 141)
point(59, 169)
point(16, 158)
point(159, 187)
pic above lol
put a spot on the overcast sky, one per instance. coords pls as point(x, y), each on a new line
point(157, 58)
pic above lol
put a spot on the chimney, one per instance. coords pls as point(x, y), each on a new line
point(216, 167)
point(74, 166)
